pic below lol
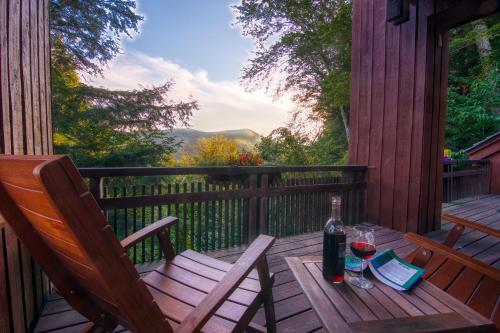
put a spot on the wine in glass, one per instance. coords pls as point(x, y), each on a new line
point(363, 246)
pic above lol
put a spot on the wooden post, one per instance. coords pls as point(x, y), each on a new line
point(349, 199)
point(267, 294)
point(252, 209)
point(4, 301)
point(361, 179)
point(96, 187)
point(264, 206)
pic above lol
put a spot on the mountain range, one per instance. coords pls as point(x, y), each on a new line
point(187, 137)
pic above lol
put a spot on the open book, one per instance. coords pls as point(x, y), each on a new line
point(394, 271)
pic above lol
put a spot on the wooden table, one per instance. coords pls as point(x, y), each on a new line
point(346, 308)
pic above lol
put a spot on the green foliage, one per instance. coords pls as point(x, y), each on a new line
point(101, 127)
point(91, 29)
point(331, 146)
point(469, 115)
point(465, 60)
point(282, 147)
point(473, 90)
point(212, 151)
point(303, 47)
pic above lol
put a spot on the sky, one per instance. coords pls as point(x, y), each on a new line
point(194, 43)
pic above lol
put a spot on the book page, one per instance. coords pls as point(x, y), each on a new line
point(397, 272)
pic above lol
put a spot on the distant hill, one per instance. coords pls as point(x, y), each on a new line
point(245, 138)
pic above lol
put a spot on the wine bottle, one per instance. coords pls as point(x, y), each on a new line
point(334, 245)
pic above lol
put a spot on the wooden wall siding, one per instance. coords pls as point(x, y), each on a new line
point(398, 102)
point(25, 124)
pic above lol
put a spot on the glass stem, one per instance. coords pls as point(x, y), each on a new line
point(362, 270)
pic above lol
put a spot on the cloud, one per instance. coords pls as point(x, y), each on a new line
point(223, 104)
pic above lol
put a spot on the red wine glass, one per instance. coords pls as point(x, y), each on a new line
point(363, 246)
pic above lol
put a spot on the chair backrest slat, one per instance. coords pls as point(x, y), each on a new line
point(48, 205)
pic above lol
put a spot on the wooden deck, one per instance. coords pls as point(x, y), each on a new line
point(293, 311)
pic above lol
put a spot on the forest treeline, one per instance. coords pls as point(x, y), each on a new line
point(304, 43)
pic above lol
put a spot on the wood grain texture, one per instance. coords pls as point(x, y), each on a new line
point(293, 310)
point(22, 48)
point(467, 279)
point(404, 69)
point(48, 205)
point(428, 309)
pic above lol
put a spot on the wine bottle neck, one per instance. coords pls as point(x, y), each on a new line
point(336, 204)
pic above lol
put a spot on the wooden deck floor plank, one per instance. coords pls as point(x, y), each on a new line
point(484, 202)
point(476, 206)
point(490, 255)
point(303, 322)
point(293, 311)
point(479, 246)
point(286, 290)
point(55, 306)
point(285, 309)
point(59, 320)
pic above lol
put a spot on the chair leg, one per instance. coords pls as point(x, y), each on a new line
point(453, 235)
point(267, 294)
point(94, 328)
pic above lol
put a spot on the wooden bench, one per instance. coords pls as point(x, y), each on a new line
point(471, 281)
point(45, 200)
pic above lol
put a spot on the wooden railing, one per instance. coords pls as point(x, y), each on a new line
point(221, 207)
point(465, 178)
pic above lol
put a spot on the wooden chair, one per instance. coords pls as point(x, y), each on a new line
point(46, 202)
point(456, 232)
point(469, 280)
point(460, 225)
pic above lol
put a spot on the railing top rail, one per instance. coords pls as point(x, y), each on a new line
point(230, 170)
point(466, 162)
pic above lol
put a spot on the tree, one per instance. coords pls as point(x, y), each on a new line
point(282, 147)
point(101, 127)
point(303, 47)
point(215, 150)
point(330, 147)
point(473, 89)
point(91, 30)
point(469, 112)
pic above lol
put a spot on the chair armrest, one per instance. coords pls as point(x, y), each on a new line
point(195, 321)
point(454, 255)
point(471, 225)
point(152, 229)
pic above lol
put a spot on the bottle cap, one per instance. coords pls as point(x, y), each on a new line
point(336, 200)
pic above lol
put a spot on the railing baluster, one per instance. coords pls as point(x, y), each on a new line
point(191, 220)
point(226, 217)
point(215, 214)
point(125, 215)
point(207, 218)
point(184, 219)
point(200, 211)
point(178, 225)
point(115, 211)
point(233, 216)
point(160, 216)
point(252, 217)
point(152, 219)
point(134, 227)
point(219, 216)
point(263, 219)
point(143, 220)
point(241, 218)
point(169, 213)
